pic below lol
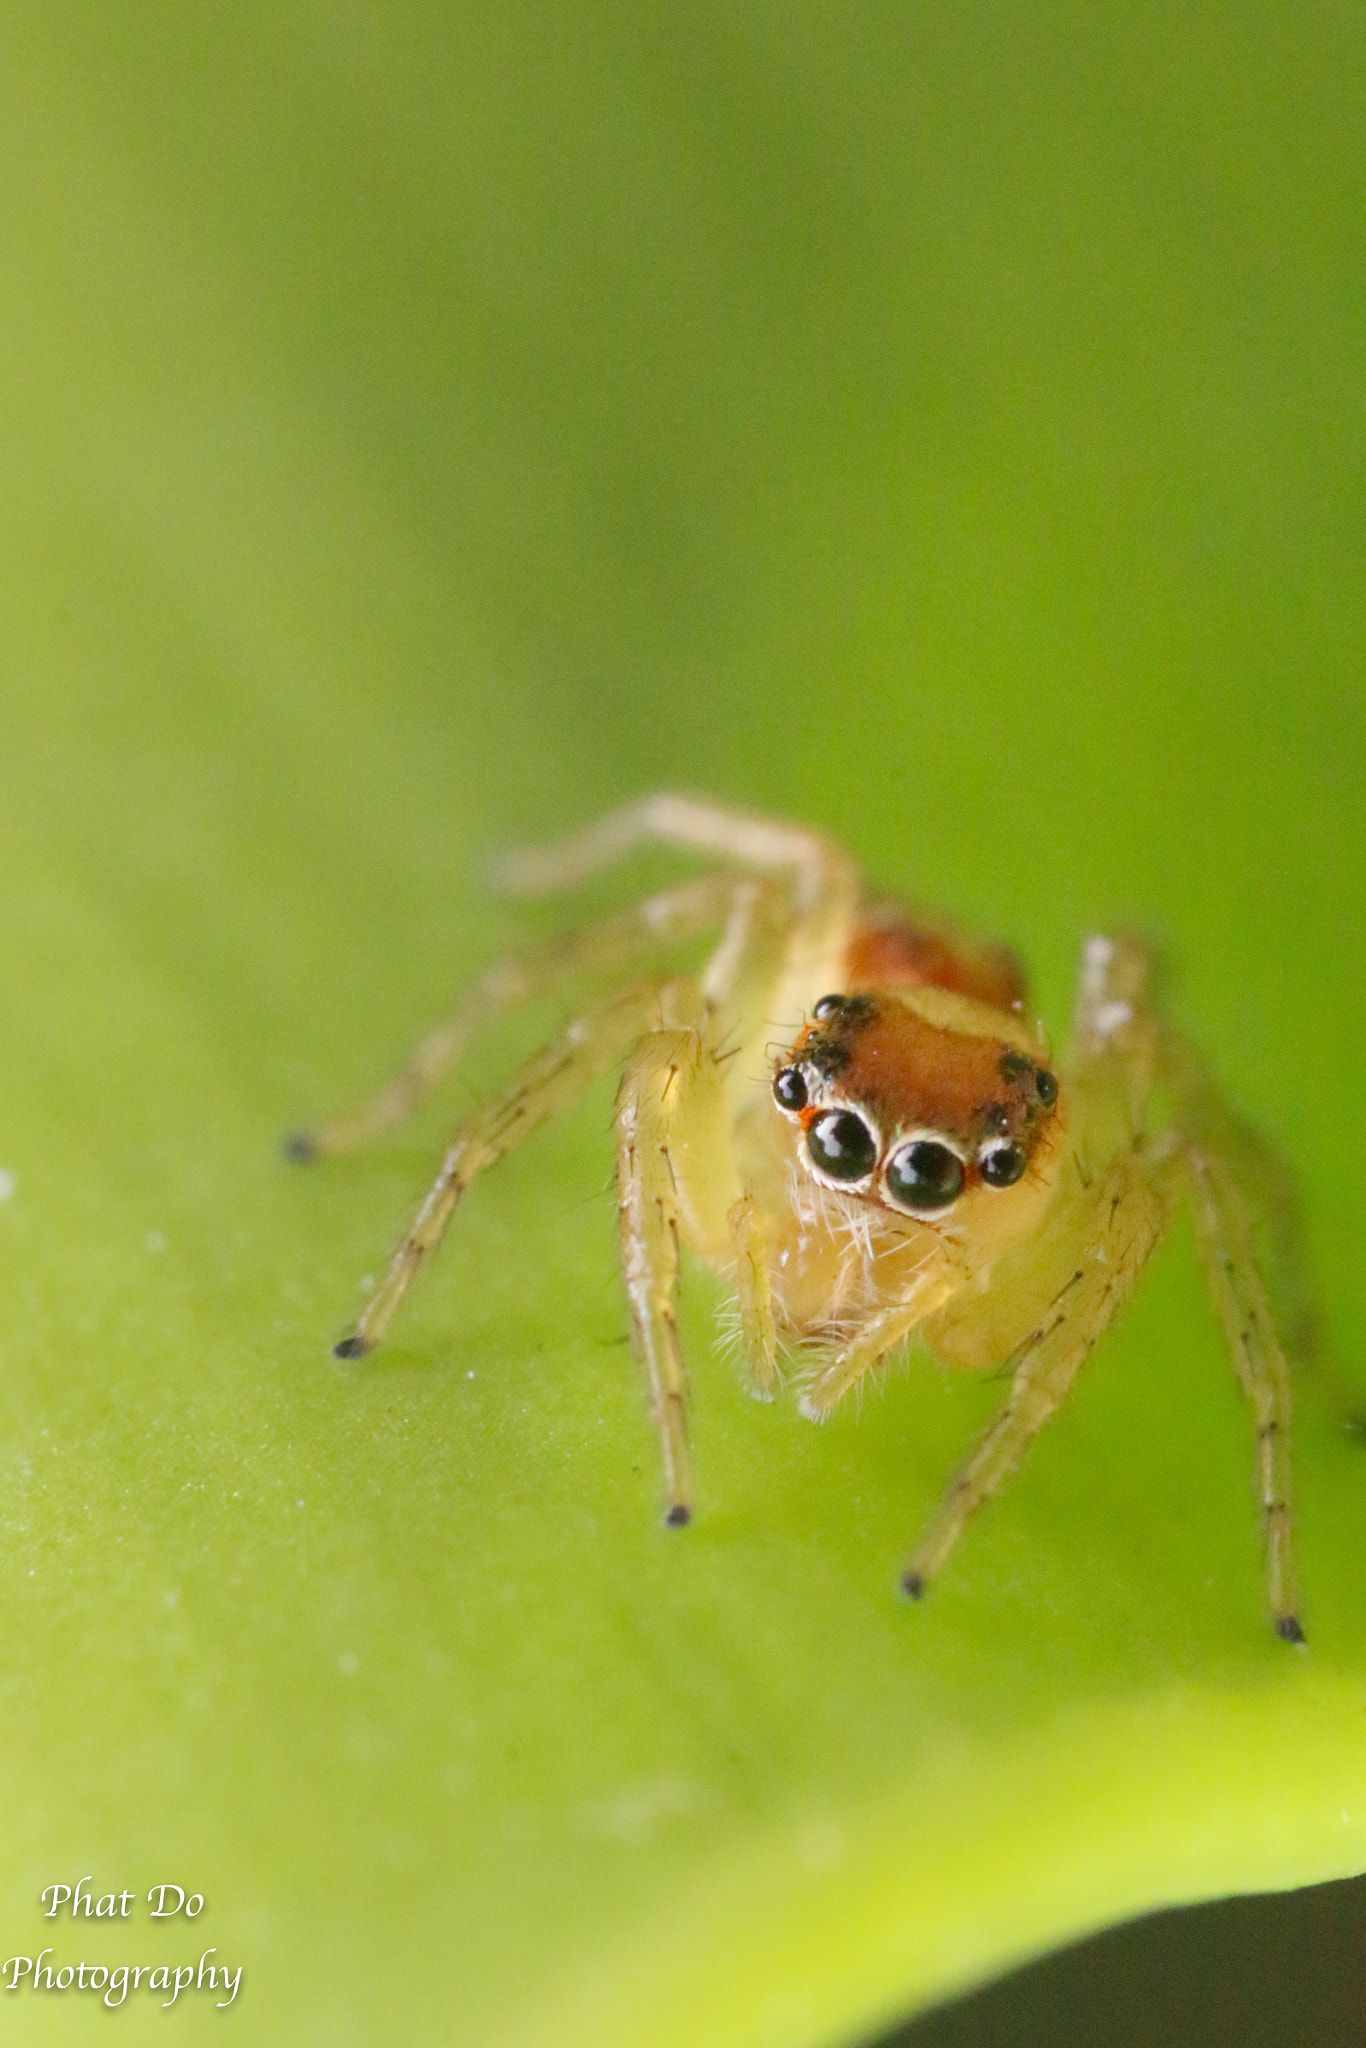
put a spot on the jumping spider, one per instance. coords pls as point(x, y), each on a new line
point(907, 1162)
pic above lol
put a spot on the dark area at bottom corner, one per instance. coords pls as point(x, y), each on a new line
point(1283, 1971)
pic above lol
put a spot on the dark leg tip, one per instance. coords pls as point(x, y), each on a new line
point(679, 1515)
point(351, 1347)
point(1288, 1628)
point(299, 1147)
point(913, 1584)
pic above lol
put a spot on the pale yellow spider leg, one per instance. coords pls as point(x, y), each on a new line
point(823, 880)
point(548, 1081)
point(932, 1284)
point(1223, 1236)
point(1123, 1045)
point(723, 1223)
point(693, 822)
point(670, 1077)
point(1232, 1178)
point(676, 1169)
point(1271, 1199)
point(755, 1297)
point(518, 978)
point(1111, 1008)
point(1223, 1161)
point(1276, 1200)
point(737, 990)
point(1130, 1217)
point(1115, 1048)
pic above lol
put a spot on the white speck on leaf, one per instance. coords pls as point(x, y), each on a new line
point(637, 1812)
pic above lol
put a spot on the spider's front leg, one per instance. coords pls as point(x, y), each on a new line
point(547, 1083)
point(674, 1163)
point(1126, 1219)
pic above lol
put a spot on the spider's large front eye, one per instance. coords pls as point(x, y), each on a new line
point(842, 1145)
point(925, 1175)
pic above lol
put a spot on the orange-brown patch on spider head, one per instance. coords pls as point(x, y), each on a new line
point(891, 948)
point(914, 1072)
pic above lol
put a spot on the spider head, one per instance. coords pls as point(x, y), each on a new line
point(929, 1104)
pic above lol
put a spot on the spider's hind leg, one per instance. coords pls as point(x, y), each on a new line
point(699, 824)
point(817, 878)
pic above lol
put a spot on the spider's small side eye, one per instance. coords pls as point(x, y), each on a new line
point(925, 1175)
point(1001, 1164)
point(1046, 1087)
point(789, 1088)
point(842, 1145)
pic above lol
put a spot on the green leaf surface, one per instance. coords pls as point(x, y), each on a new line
point(424, 428)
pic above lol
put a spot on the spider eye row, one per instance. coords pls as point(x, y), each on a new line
point(923, 1174)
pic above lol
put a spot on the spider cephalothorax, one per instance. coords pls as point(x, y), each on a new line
point(908, 1164)
point(916, 1098)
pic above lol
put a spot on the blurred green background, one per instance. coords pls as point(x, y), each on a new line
point(422, 428)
